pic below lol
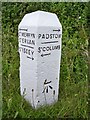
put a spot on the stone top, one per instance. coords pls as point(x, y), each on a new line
point(39, 19)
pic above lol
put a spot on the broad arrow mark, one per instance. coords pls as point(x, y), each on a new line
point(45, 54)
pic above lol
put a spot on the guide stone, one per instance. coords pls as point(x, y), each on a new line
point(40, 35)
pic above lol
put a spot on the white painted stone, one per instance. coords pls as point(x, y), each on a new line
point(40, 36)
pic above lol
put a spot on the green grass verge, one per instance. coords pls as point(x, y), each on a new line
point(73, 90)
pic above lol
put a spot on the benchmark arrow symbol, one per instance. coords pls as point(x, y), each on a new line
point(57, 30)
point(45, 54)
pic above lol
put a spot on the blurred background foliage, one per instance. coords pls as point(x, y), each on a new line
point(73, 74)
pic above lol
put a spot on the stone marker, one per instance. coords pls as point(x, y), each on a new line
point(40, 36)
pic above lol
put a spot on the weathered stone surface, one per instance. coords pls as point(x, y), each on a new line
point(40, 54)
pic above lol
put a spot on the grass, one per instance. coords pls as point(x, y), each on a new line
point(73, 90)
point(72, 103)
